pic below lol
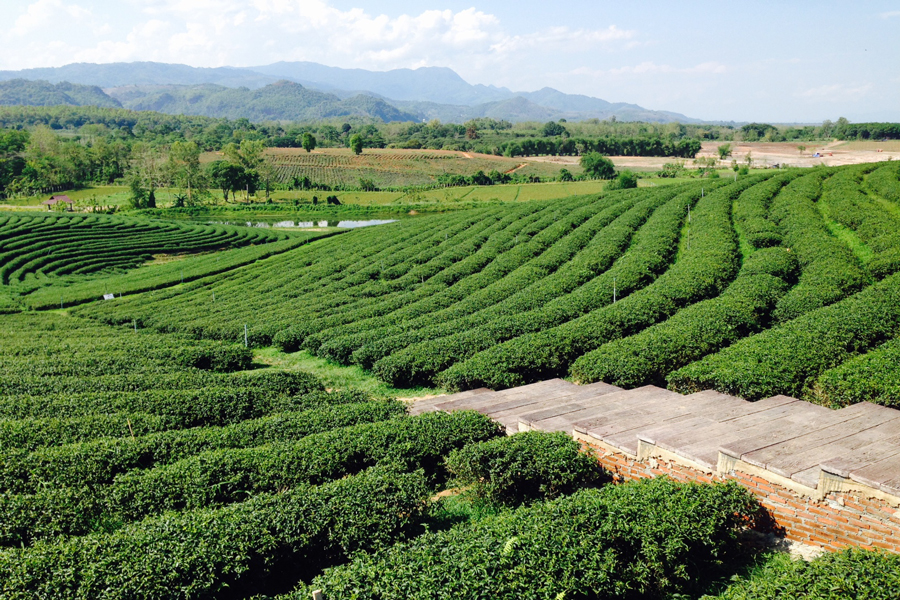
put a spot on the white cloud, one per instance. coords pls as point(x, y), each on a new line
point(210, 33)
point(890, 14)
point(38, 14)
point(652, 68)
point(555, 38)
point(837, 92)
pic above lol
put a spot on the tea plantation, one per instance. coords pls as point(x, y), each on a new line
point(768, 284)
point(146, 453)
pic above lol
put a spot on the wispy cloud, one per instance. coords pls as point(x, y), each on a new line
point(890, 14)
point(837, 92)
point(247, 32)
point(652, 68)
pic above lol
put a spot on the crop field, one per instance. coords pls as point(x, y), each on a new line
point(167, 443)
point(394, 168)
point(780, 282)
point(40, 250)
point(461, 196)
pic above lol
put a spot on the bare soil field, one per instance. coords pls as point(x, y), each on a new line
point(763, 154)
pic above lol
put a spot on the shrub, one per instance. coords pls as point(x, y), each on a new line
point(851, 573)
point(625, 180)
point(524, 467)
point(231, 552)
point(786, 358)
point(647, 539)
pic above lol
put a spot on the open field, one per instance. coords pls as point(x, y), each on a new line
point(762, 154)
point(390, 168)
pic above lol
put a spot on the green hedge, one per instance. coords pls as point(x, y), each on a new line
point(705, 265)
point(871, 377)
point(585, 283)
point(99, 461)
point(524, 467)
point(33, 433)
point(885, 181)
point(851, 573)
point(182, 407)
point(257, 546)
point(829, 270)
point(875, 225)
point(788, 358)
point(648, 539)
point(744, 308)
point(230, 475)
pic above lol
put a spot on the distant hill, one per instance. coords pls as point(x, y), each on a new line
point(279, 101)
point(143, 73)
point(430, 84)
point(21, 92)
point(426, 92)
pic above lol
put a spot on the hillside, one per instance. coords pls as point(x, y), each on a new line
point(280, 101)
point(623, 289)
point(429, 92)
point(162, 434)
point(21, 92)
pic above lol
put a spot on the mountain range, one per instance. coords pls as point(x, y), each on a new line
point(304, 91)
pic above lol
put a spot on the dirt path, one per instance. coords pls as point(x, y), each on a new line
point(514, 169)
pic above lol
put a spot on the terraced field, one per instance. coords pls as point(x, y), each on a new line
point(764, 285)
point(144, 453)
point(36, 248)
point(394, 168)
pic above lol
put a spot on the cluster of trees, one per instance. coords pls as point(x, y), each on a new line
point(632, 146)
point(39, 161)
point(492, 177)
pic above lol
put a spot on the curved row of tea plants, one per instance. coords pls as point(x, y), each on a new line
point(35, 247)
point(513, 294)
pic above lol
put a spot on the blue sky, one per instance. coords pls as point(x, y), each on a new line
point(765, 61)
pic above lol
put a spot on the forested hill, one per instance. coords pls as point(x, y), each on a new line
point(280, 101)
point(20, 92)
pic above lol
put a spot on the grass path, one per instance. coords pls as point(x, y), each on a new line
point(335, 375)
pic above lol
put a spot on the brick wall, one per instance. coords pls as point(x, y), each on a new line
point(840, 519)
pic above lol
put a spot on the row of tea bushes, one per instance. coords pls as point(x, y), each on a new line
point(789, 357)
point(229, 552)
point(648, 539)
point(708, 260)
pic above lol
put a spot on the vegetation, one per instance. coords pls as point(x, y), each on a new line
point(166, 442)
point(523, 468)
point(851, 573)
point(649, 539)
point(677, 285)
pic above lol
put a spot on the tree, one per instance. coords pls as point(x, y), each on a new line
point(249, 156)
point(552, 129)
point(147, 172)
point(597, 166)
point(724, 151)
point(184, 167)
point(309, 142)
point(356, 144)
point(227, 176)
point(565, 175)
point(801, 148)
point(624, 181)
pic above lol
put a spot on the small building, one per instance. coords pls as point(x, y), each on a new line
point(54, 200)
